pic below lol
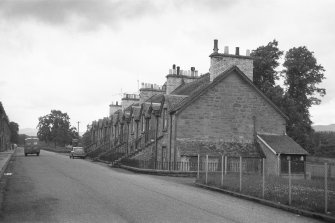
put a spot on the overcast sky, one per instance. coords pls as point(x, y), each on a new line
point(77, 56)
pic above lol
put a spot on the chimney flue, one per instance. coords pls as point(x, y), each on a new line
point(178, 70)
point(215, 49)
point(192, 71)
point(226, 50)
point(237, 51)
point(247, 53)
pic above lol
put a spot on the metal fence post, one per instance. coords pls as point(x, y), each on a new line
point(289, 183)
point(240, 173)
point(198, 174)
point(225, 165)
point(263, 182)
point(326, 188)
point(221, 171)
point(206, 168)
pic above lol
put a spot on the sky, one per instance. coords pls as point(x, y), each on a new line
point(78, 56)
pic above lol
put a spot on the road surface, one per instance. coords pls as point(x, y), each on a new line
point(54, 188)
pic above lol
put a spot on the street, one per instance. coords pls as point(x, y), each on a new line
point(53, 188)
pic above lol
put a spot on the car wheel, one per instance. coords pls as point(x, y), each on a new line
point(25, 154)
point(37, 154)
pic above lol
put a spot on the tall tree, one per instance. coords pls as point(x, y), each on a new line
point(302, 75)
point(55, 127)
point(265, 64)
point(14, 130)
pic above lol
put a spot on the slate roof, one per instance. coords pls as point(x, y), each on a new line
point(173, 100)
point(189, 88)
point(283, 144)
point(157, 98)
point(136, 113)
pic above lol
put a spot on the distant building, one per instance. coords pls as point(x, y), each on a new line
point(5, 133)
point(220, 112)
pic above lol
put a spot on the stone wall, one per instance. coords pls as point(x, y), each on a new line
point(271, 161)
point(221, 62)
point(225, 112)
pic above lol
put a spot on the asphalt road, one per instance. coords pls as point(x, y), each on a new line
point(54, 188)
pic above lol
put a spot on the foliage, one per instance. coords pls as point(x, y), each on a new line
point(324, 144)
point(14, 130)
point(86, 139)
point(55, 127)
point(265, 62)
point(301, 75)
point(21, 138)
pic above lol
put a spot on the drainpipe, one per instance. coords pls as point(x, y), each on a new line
point(170, 141)
point(279, 164)
point(127, 137)
point(156, 143)
point(174, 139)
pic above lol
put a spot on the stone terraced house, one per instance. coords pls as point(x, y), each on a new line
point(4, 130)
point(218, 113)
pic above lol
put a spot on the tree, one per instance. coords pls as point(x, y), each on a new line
point(87, 140)
point(265, 62)
point(302, 75)
point(44, 128)
point(56, 127)
point(22, 137)
point(14, 130)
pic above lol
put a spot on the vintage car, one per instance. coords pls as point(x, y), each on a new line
point(31, 146)
point(77, 152)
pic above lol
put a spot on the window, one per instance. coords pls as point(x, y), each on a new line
point(164, 119)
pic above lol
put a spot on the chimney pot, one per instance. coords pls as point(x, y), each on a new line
point(173, 66)
point(226, 50)
point(247, 53)
point(117, 103)
point(192, 68)
point(178, 70)
point(237, 51)
point(215, 49)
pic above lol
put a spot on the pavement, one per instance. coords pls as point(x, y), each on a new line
point(4, 160)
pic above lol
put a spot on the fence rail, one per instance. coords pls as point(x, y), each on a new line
point(305, 185)
point(311, 188)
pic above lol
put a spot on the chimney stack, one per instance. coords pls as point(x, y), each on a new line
point(237, 52)
point(226, 50)
point(247, 53)
point(192, 71)
point(215, 49)
point(219, 62)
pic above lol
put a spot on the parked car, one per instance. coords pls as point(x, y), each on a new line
point(77, 152)
point(31, 146)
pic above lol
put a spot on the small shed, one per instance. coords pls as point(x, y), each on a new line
point(279, 150)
